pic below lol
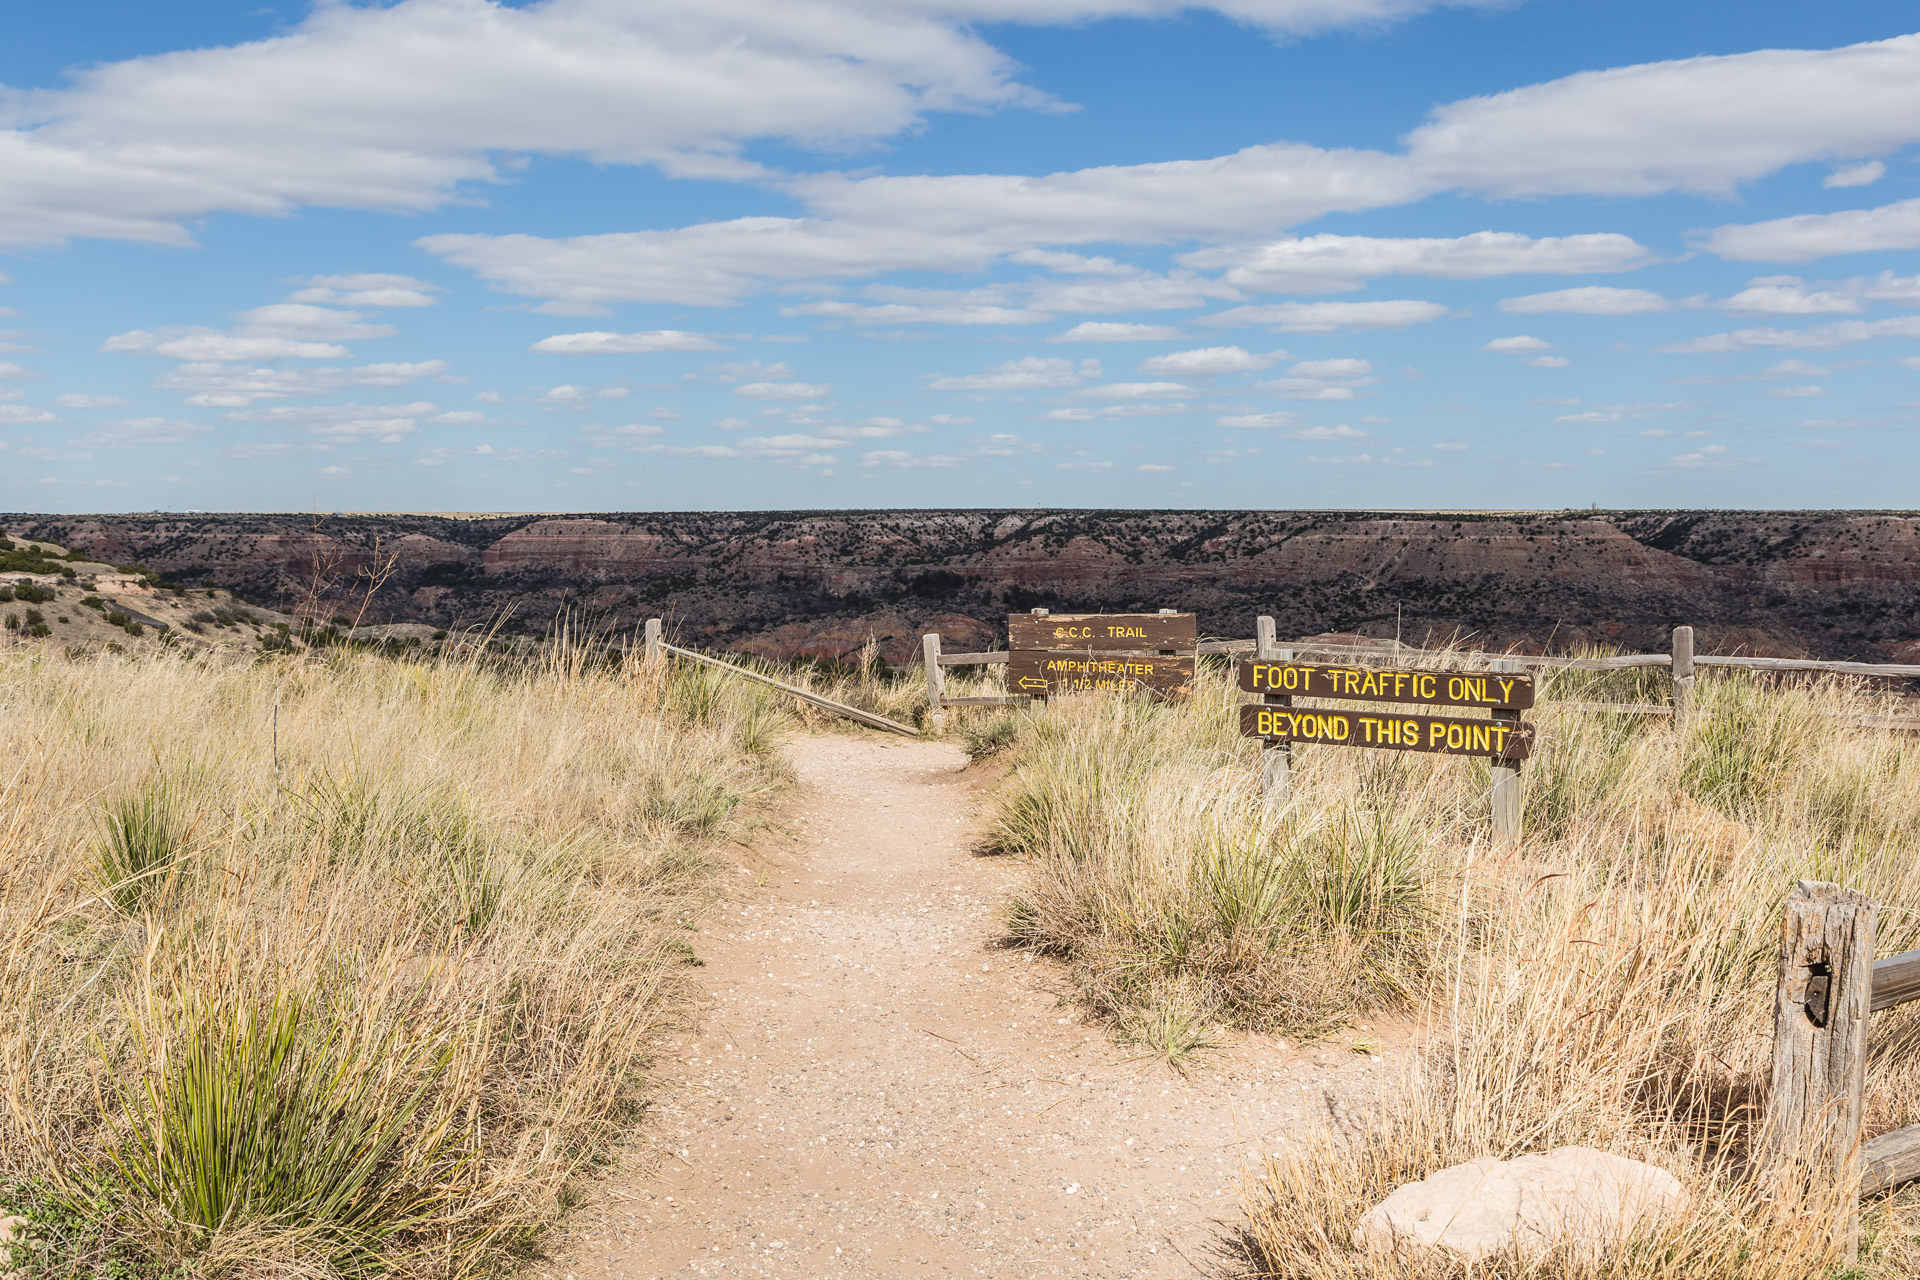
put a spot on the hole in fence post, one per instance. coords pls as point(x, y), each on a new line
point(1819, 987)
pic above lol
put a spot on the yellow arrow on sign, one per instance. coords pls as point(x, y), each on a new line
point(1030, 682)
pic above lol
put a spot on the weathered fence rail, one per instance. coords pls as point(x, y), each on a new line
point(1681, 662)
point(658, 649)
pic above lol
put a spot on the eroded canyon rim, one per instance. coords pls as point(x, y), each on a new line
point(1830, 584)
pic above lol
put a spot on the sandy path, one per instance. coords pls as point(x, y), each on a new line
point(874, 1089)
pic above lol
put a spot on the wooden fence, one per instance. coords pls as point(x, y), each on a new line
point(1681, 662)
point(1830, 985)
point(658, 650)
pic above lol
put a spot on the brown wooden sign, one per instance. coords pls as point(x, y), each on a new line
point(1102, 632)
point(1068, 671)
point(1510, 691)
point(1504, 740)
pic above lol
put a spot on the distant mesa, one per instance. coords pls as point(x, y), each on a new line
point(1825, 584)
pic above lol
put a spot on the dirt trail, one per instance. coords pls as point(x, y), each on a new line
point(874, 1089)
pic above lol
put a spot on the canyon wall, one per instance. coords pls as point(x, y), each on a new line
point(1811, 583)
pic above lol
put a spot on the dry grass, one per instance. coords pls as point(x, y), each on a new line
point(1608, 983)
point(370, 1011)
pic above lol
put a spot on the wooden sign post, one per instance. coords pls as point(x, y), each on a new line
point(1503, 737)
point(1051, 653)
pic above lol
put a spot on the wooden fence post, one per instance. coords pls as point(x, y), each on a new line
point(653, 654)
point(936, 680)
point(1682, 676)
point(1039, 698)
point(1506, 776)
point(1820, 1013)
point(1276, 758)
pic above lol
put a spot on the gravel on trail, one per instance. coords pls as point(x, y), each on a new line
point(872, 1086)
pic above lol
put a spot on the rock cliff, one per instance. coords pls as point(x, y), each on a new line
point(1819, 583)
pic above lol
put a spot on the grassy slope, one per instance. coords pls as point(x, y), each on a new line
point(1608, 983)
point(365, 1010)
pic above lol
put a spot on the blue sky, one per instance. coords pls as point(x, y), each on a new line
point(451, 255)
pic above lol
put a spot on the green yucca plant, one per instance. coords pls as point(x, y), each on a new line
point(1741, 739)
point(142, 844)
point(275, 1118)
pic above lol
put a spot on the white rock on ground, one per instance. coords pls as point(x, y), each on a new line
point(1571, 1195)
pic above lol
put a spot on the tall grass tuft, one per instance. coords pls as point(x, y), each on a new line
point(143, 844)
point(276, 1127)
point(381, 998)
point(1609, 982)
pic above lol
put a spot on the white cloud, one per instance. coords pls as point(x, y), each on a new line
point(1136, 391)
point(1073, 264)
point(1789, 296)
point(1031, 373)
point(281, 331)
point(1819, 235)
point(624, 434)
point(782, 390)
point(1795, 369)
point(1589, 300)
point(1153, 466)
point(918, 313)
point(1692, 124)
point(1142, 292)
point(368, 289)
point(80, 400)
point(219, 385)
point(1327, 263)
point(602, 343)
point(901, 458)
point(1796, 393)
point(1547, 362)
point(1330, 317)
point(139, 431)
point(200, 344)
point(1208, 362)
point(741, 371)
point(1116, 331)
point(302, 320)
point(8, 370)
point(1707, 456)
point(1856, 175)
point(1520, 342)
point(1703, 124)
point(17, 414)
point(458, 418)
point(1818, 338)
point(1321, 380)
point(1288, 424)
point(395, 107)
point(1346, 369)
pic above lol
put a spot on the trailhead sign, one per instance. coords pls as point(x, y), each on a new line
point(1101, 652)
point(1447, 735)
point(1510, 691)
point(1504, 737)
